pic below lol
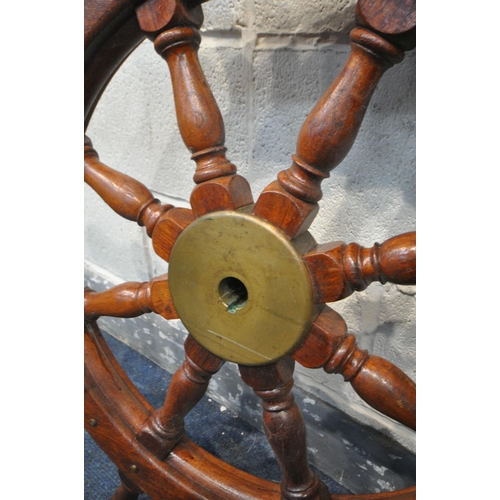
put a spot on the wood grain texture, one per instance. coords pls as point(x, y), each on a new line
point(285, 428)
point(293, 217)
point(231, 192)
point(128, 429)
point(201, 125)
point(377, 381)
point(329, 130)
point(155, 16)
point(332, 126)
point(337, 269)
point(168, 229)
point(132, 299)
point(114, 414)
point(198, 115)
point(396, 20)
point(165, 427)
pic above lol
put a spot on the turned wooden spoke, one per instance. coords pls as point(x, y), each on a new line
point(328, 134)
point(133, 201)
point(377, 381)
point(165, 426)
point(285, 428)
point(198, 115)
point(137, 437)
point(131, 299)
point(337, 269)
point(200, 122)
point(125, 195)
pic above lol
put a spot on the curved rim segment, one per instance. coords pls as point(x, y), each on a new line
point(114, 413)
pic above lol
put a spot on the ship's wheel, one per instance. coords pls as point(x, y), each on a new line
point(246, 277)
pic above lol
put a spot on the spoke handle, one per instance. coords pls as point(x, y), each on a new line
point(329, 131)
point(201, 125)
point(165, 426)
point(377, 381)
point(285, 428)
point(126, 196)
point(339, 269)
point(198, 116)
point(385, 29)
point(131, 299)
point(393, 261)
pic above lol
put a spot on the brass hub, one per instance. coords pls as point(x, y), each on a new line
point(240, 287)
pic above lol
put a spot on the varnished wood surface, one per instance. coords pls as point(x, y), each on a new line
point(126, 196)
point(133, 434)
point(165, 427)
point(377, 381)
point(394, 19)
point(201, 125)
point(110, 393)
point(130, 300)
point(285, 428)
point(337, 269)
point(329, 131)
point(198, 116)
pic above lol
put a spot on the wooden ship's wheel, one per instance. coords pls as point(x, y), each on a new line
point(246, 278)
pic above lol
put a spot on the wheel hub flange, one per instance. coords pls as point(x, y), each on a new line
point(241, 287)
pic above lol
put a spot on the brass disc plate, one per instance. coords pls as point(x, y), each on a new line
point(272, 304)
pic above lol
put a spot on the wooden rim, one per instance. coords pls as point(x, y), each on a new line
point(113, 423)
point(114, 408)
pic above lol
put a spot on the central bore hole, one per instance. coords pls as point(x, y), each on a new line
point(233, 294)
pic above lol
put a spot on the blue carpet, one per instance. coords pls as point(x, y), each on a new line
point(233, 439)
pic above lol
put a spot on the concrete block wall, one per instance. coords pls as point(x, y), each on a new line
point(267, 62)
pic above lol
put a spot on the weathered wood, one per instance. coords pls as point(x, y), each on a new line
point(337, 269)
point(132, 299)
point(377, 381)
point(126, 196)
point(165, 427)
point(285, 428)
